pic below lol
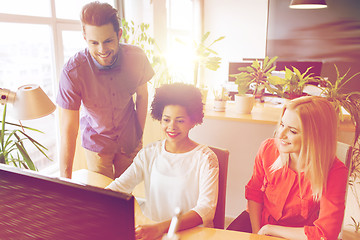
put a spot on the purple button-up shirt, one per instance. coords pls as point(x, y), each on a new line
point(108, 119)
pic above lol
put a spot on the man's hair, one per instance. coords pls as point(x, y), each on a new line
point(181, 94)
point(98, 14)
point(319, 123)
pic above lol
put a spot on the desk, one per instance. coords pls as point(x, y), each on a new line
point(198, 233)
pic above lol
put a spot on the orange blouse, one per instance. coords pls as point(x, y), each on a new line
point(288, 201)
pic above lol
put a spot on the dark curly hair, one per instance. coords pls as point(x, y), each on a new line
point(181, 94)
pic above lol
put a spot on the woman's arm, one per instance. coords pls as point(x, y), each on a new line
point(132, 176)
point(283, 232)
point(255, 210)
point(153, 231)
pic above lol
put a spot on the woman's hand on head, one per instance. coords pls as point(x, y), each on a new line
point(148, 232)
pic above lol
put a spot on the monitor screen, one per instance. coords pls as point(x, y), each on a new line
point(302, 66)
point(34, 206)
point(234, 68)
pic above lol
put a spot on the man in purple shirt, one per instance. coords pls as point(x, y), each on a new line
point(96, 93)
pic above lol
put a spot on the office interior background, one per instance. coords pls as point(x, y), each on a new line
point(39, 36)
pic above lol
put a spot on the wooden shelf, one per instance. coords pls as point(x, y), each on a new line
point(262, 113)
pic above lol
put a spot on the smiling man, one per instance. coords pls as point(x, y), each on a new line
point(96, 94)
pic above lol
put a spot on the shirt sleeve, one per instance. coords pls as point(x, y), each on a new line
point(148, 71)
point(208, 192)
point(69, 96)
point(132, 176)
point(253, 190)
point(332, 206)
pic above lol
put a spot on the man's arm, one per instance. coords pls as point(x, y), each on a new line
point(142, 104)
point(69, 127)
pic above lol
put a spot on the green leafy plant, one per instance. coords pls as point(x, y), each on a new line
point(354, 181)
point(12, 145)
point(205, 56)
point(292, 85)
point(221, 95)
point(243, 87)
point(257, 75)
point(355, 224)
point(349, 101)
point(139, 35)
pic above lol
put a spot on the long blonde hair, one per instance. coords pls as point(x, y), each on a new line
point(319, 122)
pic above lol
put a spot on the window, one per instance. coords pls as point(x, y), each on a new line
point(176, 27)
point(183, 28)
point(34, 45)
point(40, 8)
point(64, 11)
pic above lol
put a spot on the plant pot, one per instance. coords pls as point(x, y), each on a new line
point(244, 103)
point(219, 105)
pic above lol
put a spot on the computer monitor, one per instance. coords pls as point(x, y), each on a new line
point(234, 68)
point(39, 207)
point(302, 66)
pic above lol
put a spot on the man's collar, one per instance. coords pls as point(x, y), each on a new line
point(101, 67)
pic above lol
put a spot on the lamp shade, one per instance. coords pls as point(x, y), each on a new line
point(308, 4)
point(31, 102)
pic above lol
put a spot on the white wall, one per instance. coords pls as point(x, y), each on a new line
point(242, 139)
point(243, 23)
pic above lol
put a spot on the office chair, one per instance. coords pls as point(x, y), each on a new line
point(223, 159)
point(344, 154)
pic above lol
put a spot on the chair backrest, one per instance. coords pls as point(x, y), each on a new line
point(223, 159)
point(344, 154)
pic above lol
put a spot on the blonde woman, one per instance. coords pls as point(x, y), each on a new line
point(297, 190)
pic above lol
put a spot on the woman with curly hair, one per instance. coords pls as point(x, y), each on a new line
point(177, 172)
point(297, 190)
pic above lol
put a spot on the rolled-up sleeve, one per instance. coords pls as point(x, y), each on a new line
point(68, 96)
point(332, 206)
point(132, 176)
point(208, 191)
point(253, 190)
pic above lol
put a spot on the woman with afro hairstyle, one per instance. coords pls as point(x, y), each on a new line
point(177, 172)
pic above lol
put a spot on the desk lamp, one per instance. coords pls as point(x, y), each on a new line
point(29, 102)
point(308, 4)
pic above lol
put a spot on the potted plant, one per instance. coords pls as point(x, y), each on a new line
point(220, 100)
point(205, 56)
point(12, 145)
point(350, 102)
point(257, 76)
point(244, 100)
point(293, 83)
